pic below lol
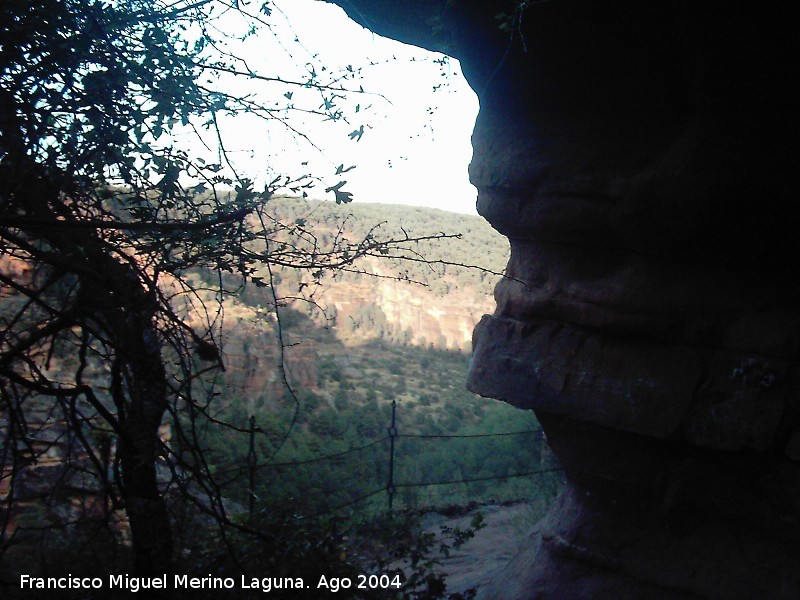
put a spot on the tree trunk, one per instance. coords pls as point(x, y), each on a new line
point(127, 312)
point(114, 299)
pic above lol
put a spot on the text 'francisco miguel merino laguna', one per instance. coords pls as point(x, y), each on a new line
point(161, 582)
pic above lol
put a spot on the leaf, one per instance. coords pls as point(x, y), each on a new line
point(341, 197)
point(356, 134)
point(340, 169)
point(244, 190)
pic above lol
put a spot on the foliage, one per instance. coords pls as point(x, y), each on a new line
point(345, 415)
point(416, 554)
point(106, 327)
point(346, 547)
point(121, 257)
point(472, 260)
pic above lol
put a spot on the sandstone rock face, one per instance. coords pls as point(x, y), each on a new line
point(398, 310)
point(254, 360)
point(641, 159)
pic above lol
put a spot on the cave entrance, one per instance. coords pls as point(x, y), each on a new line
point(397, 344)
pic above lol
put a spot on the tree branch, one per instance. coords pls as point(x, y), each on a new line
point(163, 226)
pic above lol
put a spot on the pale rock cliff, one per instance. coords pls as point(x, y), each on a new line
point(405, 312)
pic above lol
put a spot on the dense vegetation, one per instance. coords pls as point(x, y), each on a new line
point(350, 408)
point(316, 447)
point(344, 399)
point(123, 434)
point(94, 93)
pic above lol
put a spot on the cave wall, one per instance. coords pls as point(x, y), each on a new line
point(641, 159)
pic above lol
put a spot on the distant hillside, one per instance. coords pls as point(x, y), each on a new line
point(479, 244)
point(372, 340)
point(403, 301)
point(386, 333)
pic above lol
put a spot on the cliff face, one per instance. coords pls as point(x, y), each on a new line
point(407, 313)
point(641, 161)
point(253, 359)
point(357, 312)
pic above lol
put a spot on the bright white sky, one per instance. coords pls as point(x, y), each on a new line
point(416, 143)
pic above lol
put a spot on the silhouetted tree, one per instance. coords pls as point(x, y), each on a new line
point(103, 223)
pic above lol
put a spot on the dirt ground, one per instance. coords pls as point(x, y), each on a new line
point(476, 563)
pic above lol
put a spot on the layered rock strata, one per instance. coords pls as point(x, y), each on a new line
point(641, 159)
